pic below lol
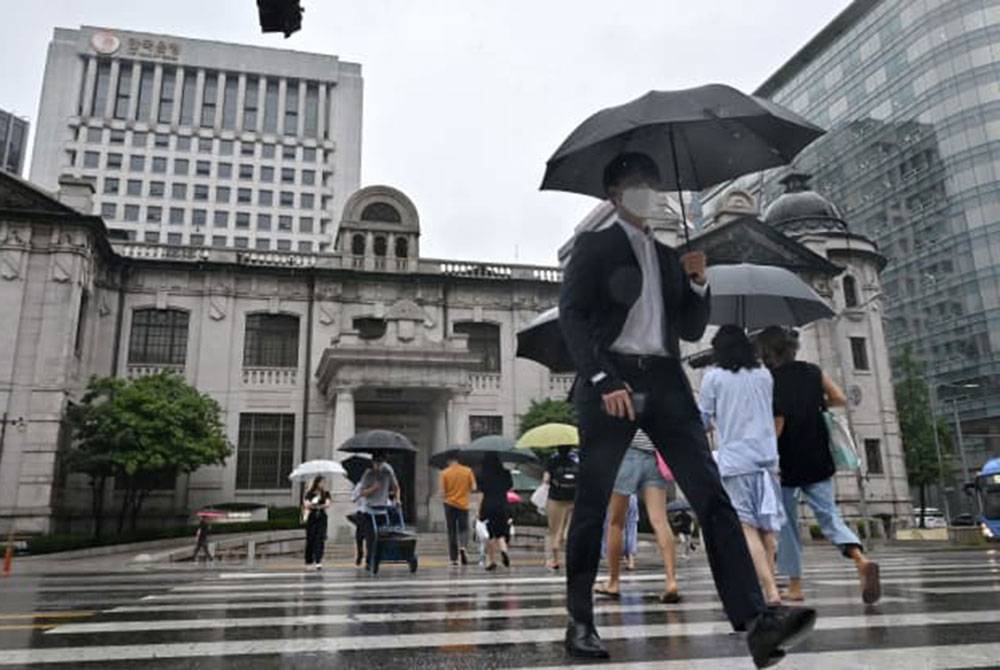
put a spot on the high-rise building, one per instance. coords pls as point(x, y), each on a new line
point(201, 143)
point(13, 142)
point(909, 93)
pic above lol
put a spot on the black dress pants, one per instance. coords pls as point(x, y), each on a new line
point(457, 521)
point(315, 537)
point(673, 422)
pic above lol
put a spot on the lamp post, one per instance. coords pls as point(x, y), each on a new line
point(958, 435)
point(937, 449)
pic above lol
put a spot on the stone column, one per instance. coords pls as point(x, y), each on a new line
point(338, 529)
point(343, 419)
point(439, 442)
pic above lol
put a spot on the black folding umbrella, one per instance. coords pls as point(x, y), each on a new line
point(697, 137)
point(356, 466)
point(377, 440)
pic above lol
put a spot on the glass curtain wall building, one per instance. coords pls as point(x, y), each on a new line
point(13, 142)
point(909, 91)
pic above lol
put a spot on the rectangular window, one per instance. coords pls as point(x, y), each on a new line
point(305, 247)
point(484, 340)
point(242, 219)
point(262, 244)
point(203, 168)
point(91, 159)
point(111, 185)
point(292, 107)
point(246, 172)
point(93, 134)
point(271, 107)
point(306, 224)
point(288, 153)
point(311, 110)
point(209, 95)
point(139, 139)
point(244, 196)
point(247, 149)
point(131, 212)
point(199, 217)
point(133, 187)
point(182, 166)
point(154, 214)
point(222, 194)
point(873, 457)
point(124, 90)
point(204, 145)
point(201, 192)
point(263, 222)
point(161, 141)
point(225, 170)
point(176, 216)
point(101, 85)
point(265, 451)
point(220, 219)
point(266, 174)
point(308, 177)
point(284, 223)
point(158, 337)
point(187, 97)
point(287, 199)
point(178, 191)
point(229, 100)
point(859, 353)
point(284, 245)
point(144, 105)
point(480, 426)
point(136, 163)
point(287, 175)
point(309, 155)
point(218, 240)
point(117, 137)
point(157, 189)
point(267, 151)
point(166, 112)
point(159, 165)
point(307, 201)
point(109, 210)
point(265, 198)
point(175, 239)
point(240, 242)
point(183, 144)
point(225, 147)
point(250, 104)
point(151, 237)
point(197, 240)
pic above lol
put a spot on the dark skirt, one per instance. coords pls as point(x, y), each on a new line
point(497, 518)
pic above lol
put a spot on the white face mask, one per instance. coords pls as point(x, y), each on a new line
point(640, 201)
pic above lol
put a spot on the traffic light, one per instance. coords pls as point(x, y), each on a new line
point(280, 16)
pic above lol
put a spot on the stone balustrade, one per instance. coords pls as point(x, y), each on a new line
point(270, 376)
point(559, 385)
point(485, 382)
point(137, 370)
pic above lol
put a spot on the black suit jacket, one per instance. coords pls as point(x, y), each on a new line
point(601, 283)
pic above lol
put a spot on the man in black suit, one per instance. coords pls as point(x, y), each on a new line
point(622, 331)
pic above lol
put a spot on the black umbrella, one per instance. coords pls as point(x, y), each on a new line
point(473, 454)
point(541, 341)
point(356, 466)
point(377, 440)
point(697, 137)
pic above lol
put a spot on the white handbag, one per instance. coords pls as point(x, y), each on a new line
point(540, 498)
point(482, 531)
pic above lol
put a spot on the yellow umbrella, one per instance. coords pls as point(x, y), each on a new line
point(550, 435)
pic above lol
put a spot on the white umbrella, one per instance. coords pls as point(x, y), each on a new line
point(310, 469)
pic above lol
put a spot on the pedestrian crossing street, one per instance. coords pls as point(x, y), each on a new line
point(939, 610)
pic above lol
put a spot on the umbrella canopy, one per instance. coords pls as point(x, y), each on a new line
point(550, 435)
point(377, 440)
point(309, 469)
point(757, 296)
point(356, 465)
point(697, 137)
point(542, 341)
point(473, 453)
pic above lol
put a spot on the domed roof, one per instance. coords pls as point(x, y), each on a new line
point(800, 209)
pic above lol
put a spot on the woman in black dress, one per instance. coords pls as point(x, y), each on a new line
point(494, 483)
point(316, 502)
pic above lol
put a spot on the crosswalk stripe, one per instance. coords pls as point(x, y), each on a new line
point(289, 645)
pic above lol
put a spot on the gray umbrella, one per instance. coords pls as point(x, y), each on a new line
point(697, 137)
point(756, 296)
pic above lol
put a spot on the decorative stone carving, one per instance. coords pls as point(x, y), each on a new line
point(103, 308)
point(60, 273)
point(10, 264)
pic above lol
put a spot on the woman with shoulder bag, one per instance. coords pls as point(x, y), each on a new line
point(314, 506)
point(802, 393)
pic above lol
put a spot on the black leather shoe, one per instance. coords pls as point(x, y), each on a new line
point(776, 630)
point(582, 641)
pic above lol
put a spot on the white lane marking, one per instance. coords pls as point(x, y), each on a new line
point(914, 580)
point(949, 590)
point(128, 626)
point(461, 638)
point(900, 658)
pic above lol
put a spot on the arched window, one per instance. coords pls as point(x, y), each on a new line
point(484, 339)
point(358, 244)
point(158, 337)
point(381, 212)
point(380, 246)
point(402, 247)
point(272, 341)
point(369, 328)
point(850, 291)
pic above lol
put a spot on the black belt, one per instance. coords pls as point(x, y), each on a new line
point(643, 361)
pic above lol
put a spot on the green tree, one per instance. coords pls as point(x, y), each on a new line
point(141, 432)
point(917, 425)
point(546, 411)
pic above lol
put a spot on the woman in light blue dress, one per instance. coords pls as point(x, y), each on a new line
point(736, 399)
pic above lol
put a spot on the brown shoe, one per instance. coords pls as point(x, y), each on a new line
point(871, 585)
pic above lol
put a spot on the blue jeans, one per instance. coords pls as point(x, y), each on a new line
point(820, 498)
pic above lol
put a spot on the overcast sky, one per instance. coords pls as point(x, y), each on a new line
point(466, 99)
